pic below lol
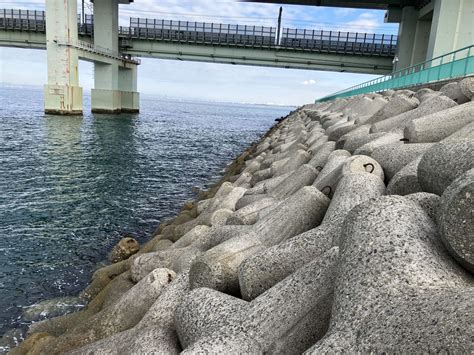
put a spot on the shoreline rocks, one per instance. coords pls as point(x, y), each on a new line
point(346, 228)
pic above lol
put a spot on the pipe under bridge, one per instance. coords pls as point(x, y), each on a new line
point(183, 40)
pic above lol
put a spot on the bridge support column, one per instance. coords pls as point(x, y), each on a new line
point(106, 97)
point(406, 34)
point(115, 86)
point(128, 89)
point(62, 93)
point(451, 26)
point(420, 41)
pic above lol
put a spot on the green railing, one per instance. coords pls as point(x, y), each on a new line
point(459, 63)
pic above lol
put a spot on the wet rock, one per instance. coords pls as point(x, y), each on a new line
point(125, 248)
point(53, 308)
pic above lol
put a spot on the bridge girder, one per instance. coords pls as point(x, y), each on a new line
point(361, 4)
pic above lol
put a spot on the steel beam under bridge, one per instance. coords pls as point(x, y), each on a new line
point(269, 57)
point(361, 4)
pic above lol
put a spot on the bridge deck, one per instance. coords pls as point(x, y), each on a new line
point(215, 42)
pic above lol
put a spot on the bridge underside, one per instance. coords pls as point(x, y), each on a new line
point(268, 57)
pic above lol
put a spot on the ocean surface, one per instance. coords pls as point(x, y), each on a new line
point(70, 187)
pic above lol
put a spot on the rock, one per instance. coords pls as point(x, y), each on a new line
point(155, 333)
point(443, 163)
point(439, 125)
point(53, 308)
point(122, 315)
point(456, 219)
point(397, 289)
point(125, 248)
point(453, 91)
point(405, 182)
point(10, 339)
point(393, 157)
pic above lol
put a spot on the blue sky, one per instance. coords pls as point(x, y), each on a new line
point(207, 81)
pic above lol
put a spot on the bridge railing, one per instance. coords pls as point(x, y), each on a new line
point(459, 63)
point(25, 20)
point(202, 32)
point(339, 42)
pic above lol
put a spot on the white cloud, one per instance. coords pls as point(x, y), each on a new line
point(309, 82)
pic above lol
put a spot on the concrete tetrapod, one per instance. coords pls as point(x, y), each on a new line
point(432, 105)
point(122, 315)
point(204, 311)
point(393, 157)
point(155, 333)
point(217, 268)
point(273, 315)
point(439, 125)
point(443, 163)
point(355, 164)
point(397, 105)
point(261, 271)
point(250, 214)
point(179, 259)
point(397, 289)
point(393, 137)
point(456, 219)
point(467, 87)
point(320, 156)
point(405, 181)
point(427, 201)
point(454, 92)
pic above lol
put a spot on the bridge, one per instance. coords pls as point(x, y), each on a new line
point(114, 49)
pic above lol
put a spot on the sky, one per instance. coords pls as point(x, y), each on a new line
point(210, 81)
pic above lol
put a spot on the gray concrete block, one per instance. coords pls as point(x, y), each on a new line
point(273, 315)
point(266, 185)
point(397, 288)
point(467, 87)
point(320, 156)
point(265, 269)
point(427, 201)
point(353, 189)
point(205, 311)
point(353, 143)
point(250, 214)
point(405, 181)
point(443, 163)
point(155, 333)
point(299, 158)
point(397, 105)
point(302, 176)
point(393, 157)
point(432, 105)
point(388, 138)
point(456, 219)
point(437, 126)
point(249, 199)
point(217, 268)
point(454, 92)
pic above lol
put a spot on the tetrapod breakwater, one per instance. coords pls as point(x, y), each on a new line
point(347, 228)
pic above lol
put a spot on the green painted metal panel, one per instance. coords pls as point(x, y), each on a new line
point(455, 64)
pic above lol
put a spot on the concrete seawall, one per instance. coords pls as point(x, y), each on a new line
point(349, 227)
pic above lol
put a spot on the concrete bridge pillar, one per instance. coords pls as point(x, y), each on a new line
point(452, 26)
point(406, 35)
point(115, 86)
point(62, 93)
